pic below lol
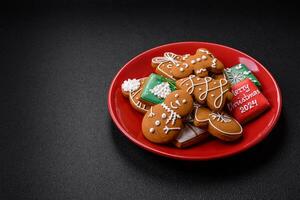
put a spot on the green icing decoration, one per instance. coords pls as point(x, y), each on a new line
point(156, 88)
point(239, 73)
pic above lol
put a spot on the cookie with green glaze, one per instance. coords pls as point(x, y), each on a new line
point(239, 73)
point(157, 88)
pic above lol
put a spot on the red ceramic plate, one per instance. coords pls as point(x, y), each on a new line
point(129, 121)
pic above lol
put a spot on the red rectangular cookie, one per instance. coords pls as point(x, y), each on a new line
point(248, 102)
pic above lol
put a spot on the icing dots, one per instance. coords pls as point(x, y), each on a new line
point(131, 85)
point(151, 130)
point(157, 122)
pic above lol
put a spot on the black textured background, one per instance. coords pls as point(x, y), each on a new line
point(57, 140)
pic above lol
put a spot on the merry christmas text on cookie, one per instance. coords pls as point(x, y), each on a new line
point(248, 101)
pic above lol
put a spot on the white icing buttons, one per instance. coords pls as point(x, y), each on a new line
point(184, 101)
point(193, 61)
point(157, 122)
point(164, 116)
point(176, 95)
point(151, 130)
point(198, 59)
point(204, 57)
point(181, 69)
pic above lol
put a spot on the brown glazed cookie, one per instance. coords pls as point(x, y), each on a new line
point(163, 122)
point(163, 65)
point(220, 125)
point(132, 89)
point(203, 61)
point(215, 93)
point(172, 66)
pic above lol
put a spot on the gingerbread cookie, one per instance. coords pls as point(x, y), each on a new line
point(248, 102)
point(215, 93)
point(239, 73)
point(156, 89)
point(190, 135)
point(132, 89)
point(220, 125)
point(203, 61)
point(163, 65)
point(163, 122)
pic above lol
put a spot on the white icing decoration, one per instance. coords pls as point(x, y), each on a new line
point(202, 96)
point(201, 70)
point(212, 95)
point(181, 69)
point(205, 51)
point(204, 57)
point(167, 129)
point(172, 106)
point(131, 85)
point(176, 95)
point(185, 65)
point(247, 72)
point(184, 101)
point(220, 117)
point(157, 122)
point(151, 130)
point(239, 66)
point(184, 57)
point(173, 115)
point(138, 104)
point(214, 62)
point(151, 114)
point(198, 59)
point(163, 116)
point(168, 57)
point(235, 76)
point(193, 61)
point(161, 90)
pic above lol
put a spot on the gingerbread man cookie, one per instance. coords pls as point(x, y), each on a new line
point(220, 125)
point(203, 61)
point(132, 89)
point(163, 122)
point(215, 93)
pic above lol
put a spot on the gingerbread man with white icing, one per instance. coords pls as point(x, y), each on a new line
point(163, 122)
point(202, 62)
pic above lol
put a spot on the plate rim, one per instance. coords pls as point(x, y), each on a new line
point(253, 143)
